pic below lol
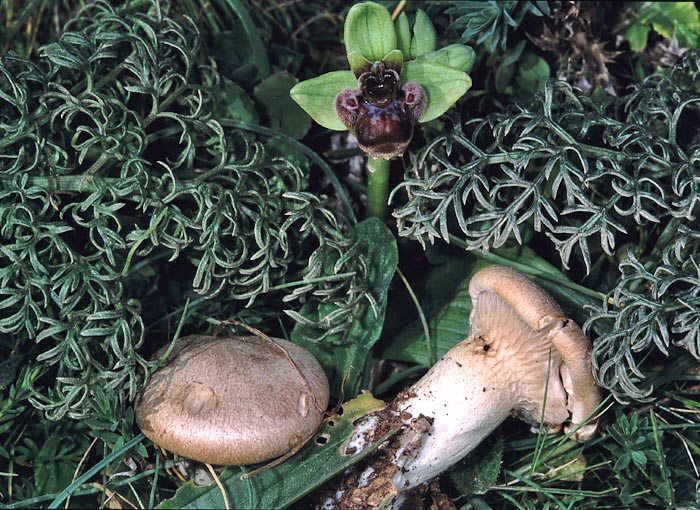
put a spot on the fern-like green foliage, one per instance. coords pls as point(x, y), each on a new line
point(118, 183)
point(612, 185)
point(488, 23)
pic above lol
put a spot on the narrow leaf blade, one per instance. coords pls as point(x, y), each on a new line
point(280, 486)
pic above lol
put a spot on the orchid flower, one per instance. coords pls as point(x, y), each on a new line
point(396, 80)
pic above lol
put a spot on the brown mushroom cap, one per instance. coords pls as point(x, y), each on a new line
point(233, 401)
point(528, 323)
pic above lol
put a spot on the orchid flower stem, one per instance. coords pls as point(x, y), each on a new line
point(377, 188)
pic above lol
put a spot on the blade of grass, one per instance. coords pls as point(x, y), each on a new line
point(116, 454)
point(662, 461)
point(80, 465)
point(429, 342)
point(541, 436)
point(259, 55)
point(156, 474)
point(32, 7)
point(180, 325)
point(532, 487)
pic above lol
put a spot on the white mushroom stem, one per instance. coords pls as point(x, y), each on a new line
point(474, 388)
point(522, 357)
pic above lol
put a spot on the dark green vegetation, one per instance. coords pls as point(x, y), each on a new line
point(156, 179)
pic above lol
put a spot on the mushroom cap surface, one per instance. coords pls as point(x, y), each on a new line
point(519, 318)
point(233, 401)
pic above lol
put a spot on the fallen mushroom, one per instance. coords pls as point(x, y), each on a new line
point(522, 357)
point(233, 401)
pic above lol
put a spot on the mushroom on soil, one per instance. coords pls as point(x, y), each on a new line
point(233, 401)
point(521, 357)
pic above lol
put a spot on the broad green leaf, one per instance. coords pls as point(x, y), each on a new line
point(443, 85)
point(317, 97)
point(622, 462)
point(369, 31)
point(424, 35)
point(232, 102)
point(403, 34)
point(346, 355)
point(284, 114)
point(636, 35)
point(533, 73)
point(53, 467)
point(506, 69)
point(673, 18)
point(447, 304)
point(258, 53)
point(280, 486)
point(478, 471)
point(458, 56)
point(232, 50)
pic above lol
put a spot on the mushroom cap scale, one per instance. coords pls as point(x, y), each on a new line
point(233, 401)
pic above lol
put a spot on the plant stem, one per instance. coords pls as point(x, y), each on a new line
point(377, 188)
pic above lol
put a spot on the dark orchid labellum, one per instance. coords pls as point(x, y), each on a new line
point(380, 113)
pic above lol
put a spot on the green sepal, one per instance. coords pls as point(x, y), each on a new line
point(443, 85)
point(395, 60)
point(369, 30)
point(358, 63)
point(317, 97)
point(403, 34)
point(458, 56)
point(424, 35)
